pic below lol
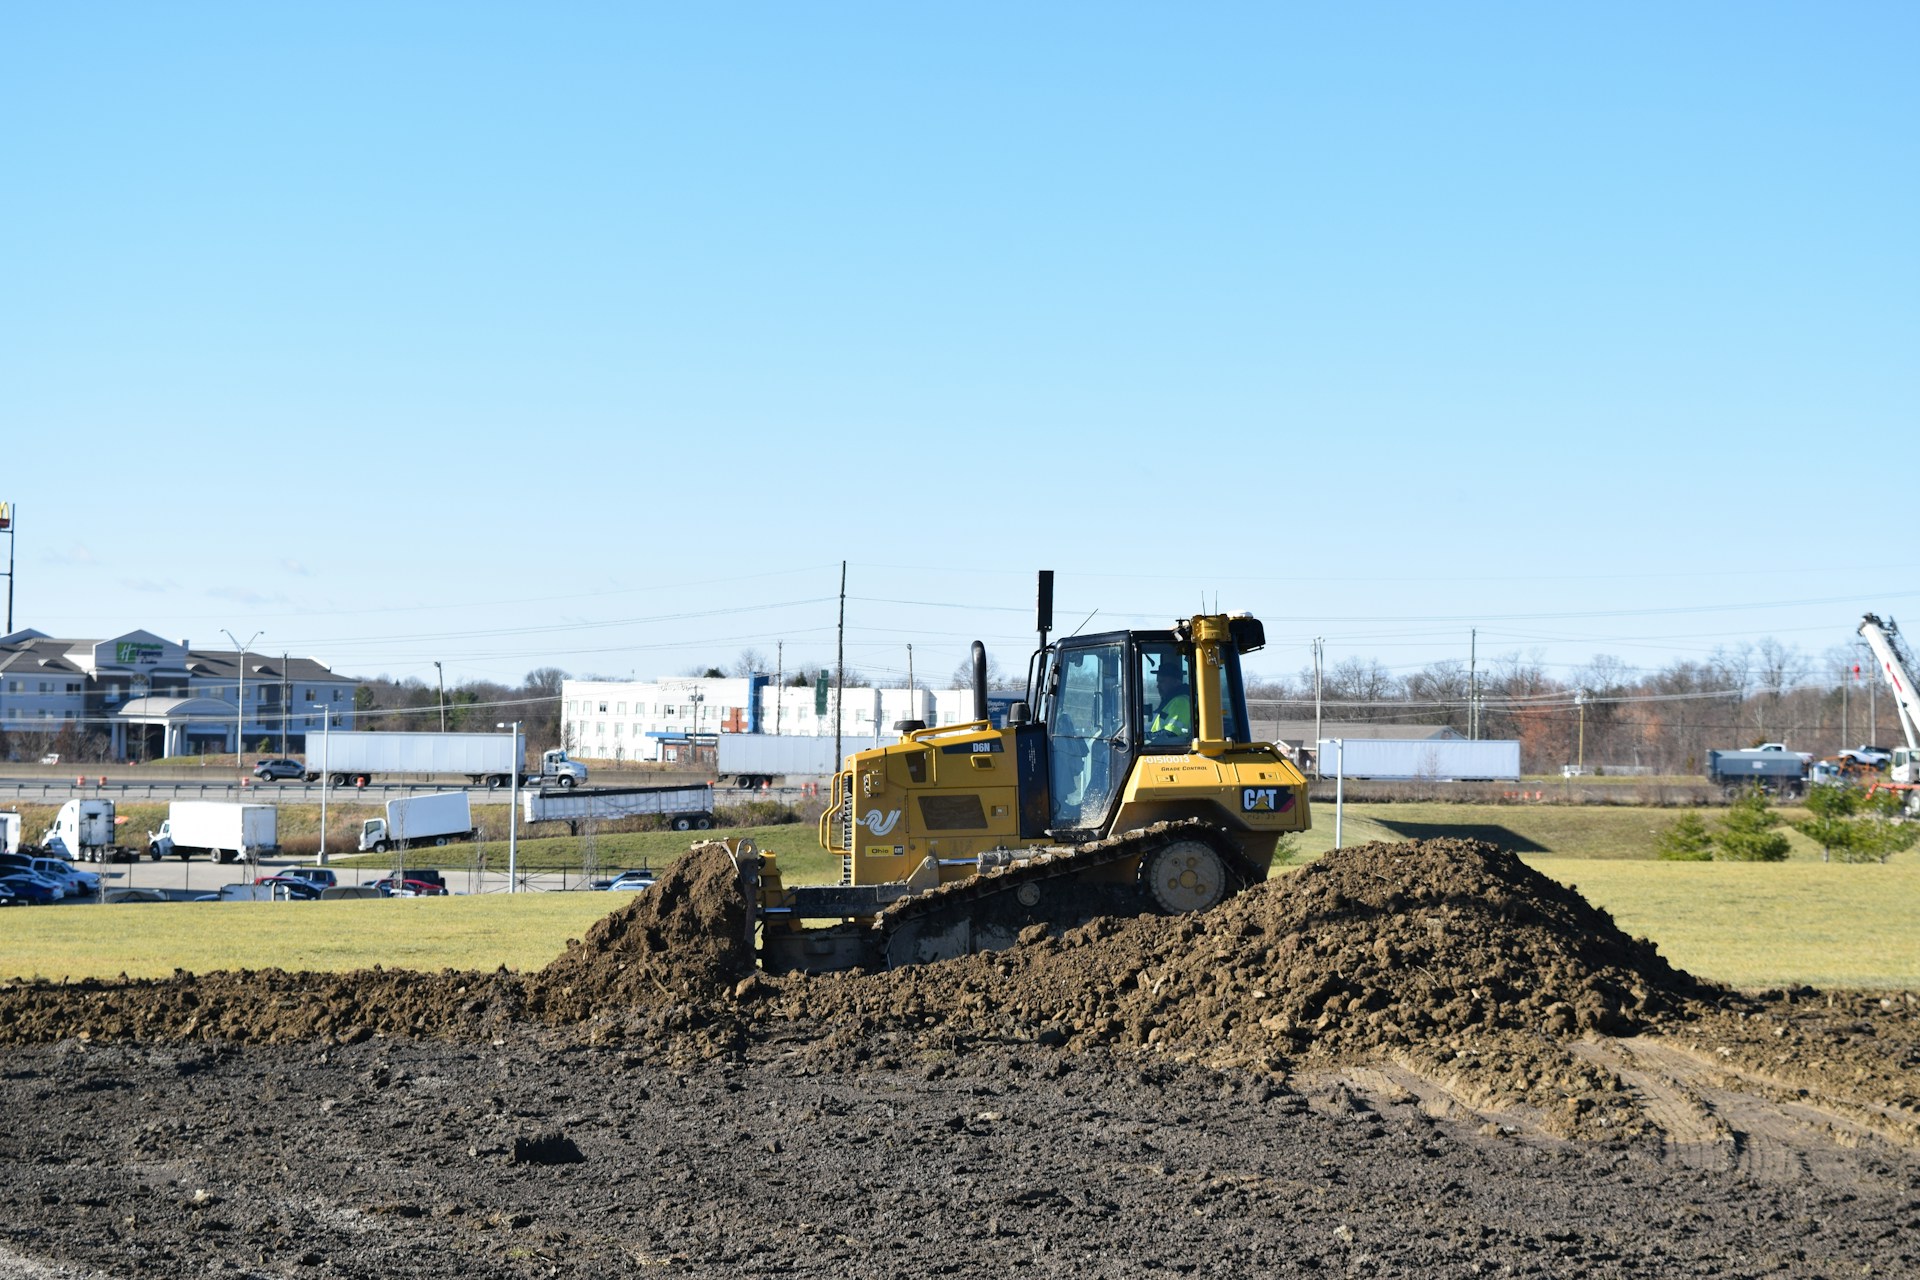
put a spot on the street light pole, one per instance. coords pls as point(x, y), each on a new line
point(442, 676)
point(240, 697)
point(326, 741)
point(513, 808)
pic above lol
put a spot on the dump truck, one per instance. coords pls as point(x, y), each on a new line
point(220, 829)
point(356, 757)
point(1779, 772)
point(411, 821)
point(1127, 781)
point(684, 808)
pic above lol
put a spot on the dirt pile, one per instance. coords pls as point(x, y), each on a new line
point(1372, 947)
point(684, 941)
point(265, 1006)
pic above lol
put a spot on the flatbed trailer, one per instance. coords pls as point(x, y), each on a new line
point(687, 808)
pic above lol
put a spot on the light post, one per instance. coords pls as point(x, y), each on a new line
point(326, 741)
point(442, 677)
point(513, 808)
point(693, 739)
point(240, 697)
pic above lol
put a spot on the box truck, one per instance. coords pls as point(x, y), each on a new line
point(435, 819)
point(357, 757)
point(220, 829)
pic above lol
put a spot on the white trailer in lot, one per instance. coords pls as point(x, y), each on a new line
point(221, 829)
point(760, 759)
point(358, 756)
point(1422, 759)
point(685, 808)
point(411, 821)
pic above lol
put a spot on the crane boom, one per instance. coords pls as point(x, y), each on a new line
point(1884, 639)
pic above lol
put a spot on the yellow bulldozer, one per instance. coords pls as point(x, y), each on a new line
point(1127, 781)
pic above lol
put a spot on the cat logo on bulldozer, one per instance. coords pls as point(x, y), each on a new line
point(1259, 799)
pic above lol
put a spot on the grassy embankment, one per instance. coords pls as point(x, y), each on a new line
point(1749, 925)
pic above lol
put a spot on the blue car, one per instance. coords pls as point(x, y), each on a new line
point(30, 889)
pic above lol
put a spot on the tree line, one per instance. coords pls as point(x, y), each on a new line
point(1607, 712)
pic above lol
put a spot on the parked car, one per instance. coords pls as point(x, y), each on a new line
point(627, 880)
point(292, 888)
point(77, 883)
point(319, 877)
point(29, 888)
point(8, 898)
point(409, 888)
point(279, 770)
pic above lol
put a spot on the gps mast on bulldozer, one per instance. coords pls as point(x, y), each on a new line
point(1128, 781)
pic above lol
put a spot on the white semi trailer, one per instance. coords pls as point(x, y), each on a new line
point(760, 759)
point(356, 757)
point(1422, 759)
point(220, 829)
point(684, 808)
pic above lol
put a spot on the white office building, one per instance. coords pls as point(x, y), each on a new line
point(678, 720)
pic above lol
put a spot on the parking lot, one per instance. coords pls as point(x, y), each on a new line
point(186, 880)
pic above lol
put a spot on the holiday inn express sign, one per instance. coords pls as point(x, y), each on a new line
point(132, 653)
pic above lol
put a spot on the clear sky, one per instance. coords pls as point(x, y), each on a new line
point(597, 336)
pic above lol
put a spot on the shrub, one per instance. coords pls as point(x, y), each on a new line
point(1685, 839)
point(1747, 833)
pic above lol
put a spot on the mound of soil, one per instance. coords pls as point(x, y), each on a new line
point(1373, 947)
point(682, 941)
point(265, 1006)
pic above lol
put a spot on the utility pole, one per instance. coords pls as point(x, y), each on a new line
point(1580, 701)
point(442, 677)
point(1320, 651)
point(286, 702)
point(1473, 686)
point(913, 699)
point(779, 681)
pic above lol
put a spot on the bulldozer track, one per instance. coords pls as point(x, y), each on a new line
point(965, 897)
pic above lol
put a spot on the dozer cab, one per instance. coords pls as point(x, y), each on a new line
point(1128, 781)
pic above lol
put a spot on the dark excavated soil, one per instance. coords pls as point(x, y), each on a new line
point(1415, 1059)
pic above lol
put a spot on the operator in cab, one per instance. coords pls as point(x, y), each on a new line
point(1169, 703)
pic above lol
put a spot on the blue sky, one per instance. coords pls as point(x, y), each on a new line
point(597, 336)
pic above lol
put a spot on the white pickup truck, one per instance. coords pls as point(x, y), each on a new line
point(1806, 756)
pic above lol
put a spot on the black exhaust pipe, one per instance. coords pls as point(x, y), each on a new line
point(979, 681)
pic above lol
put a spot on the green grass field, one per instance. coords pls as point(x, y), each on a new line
point(1803, 921)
